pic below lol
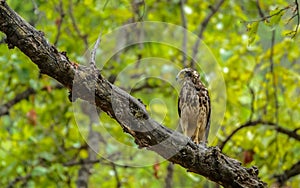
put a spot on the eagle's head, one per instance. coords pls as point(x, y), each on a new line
point(187, 74)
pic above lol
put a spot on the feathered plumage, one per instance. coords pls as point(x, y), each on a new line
point(193, 106)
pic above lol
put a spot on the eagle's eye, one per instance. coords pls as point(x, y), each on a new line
point(188, 73)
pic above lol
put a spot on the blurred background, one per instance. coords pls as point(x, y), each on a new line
point(46, 141)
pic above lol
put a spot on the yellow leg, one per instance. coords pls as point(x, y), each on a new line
point(196, 135)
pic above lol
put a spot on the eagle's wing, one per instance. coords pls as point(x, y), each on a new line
point(208, 119)
point(203, 115)
point(188, 109)
point(178, 105)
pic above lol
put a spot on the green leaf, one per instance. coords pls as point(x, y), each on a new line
point(47, 156)
point(60, 170)
point(252, 31)
point(276, 15)
point(20, 169)
point(39, 171)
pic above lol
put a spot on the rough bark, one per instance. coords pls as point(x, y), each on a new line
point(129, 112)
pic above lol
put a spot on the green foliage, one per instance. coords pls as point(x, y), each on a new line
point(252, 30)
point(276, 15)
point(40, 135)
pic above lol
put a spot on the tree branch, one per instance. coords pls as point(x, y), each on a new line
point(126, 110)
point(184, 25)
point(4, 109)
point(280, 129)
point(59, 21)
point(287, 174)
point(23, 179)
point(298, 18)
point(203, 26)
point(169, 177)
point(84, 37)
point(271, 58)
point(261, 14)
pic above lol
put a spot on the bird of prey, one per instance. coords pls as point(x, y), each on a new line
point(193, 106)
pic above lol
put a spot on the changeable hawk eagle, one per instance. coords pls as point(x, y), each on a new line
point(193, 106)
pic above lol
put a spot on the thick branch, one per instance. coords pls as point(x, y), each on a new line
point(126, 110)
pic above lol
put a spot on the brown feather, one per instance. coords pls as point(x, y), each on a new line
point(194, 106)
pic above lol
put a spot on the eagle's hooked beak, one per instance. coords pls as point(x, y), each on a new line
point(179, 76)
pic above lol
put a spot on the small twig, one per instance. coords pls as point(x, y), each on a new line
point(59, 21)
point(82, 36)
point(297, 129)
point(100, 160)
point(93, 53)
point(252, 92)
point(23, 179)
point(119, 184)
point(141, 16)
point(298, 18)
point(184, 25)
point(269, 16)
point(146, 85)
point(291, 18)
point(263, 18)
point(169, 177)
point(259, 9)
point(252, 101)
point(82, 162)
point(136, 5)
point(274, 85)
point(202, 27)
point(273, 75)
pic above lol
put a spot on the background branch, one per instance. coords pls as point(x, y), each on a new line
point(287, 174)
point(184, 40)
point(4, 109)
point(261, 14)
point(59, 21)
point(84, 37)
point(273, 75)
point(278, 128)
point(169, 177)
point(203, 25)
point(22, 179)
point(298, 18)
